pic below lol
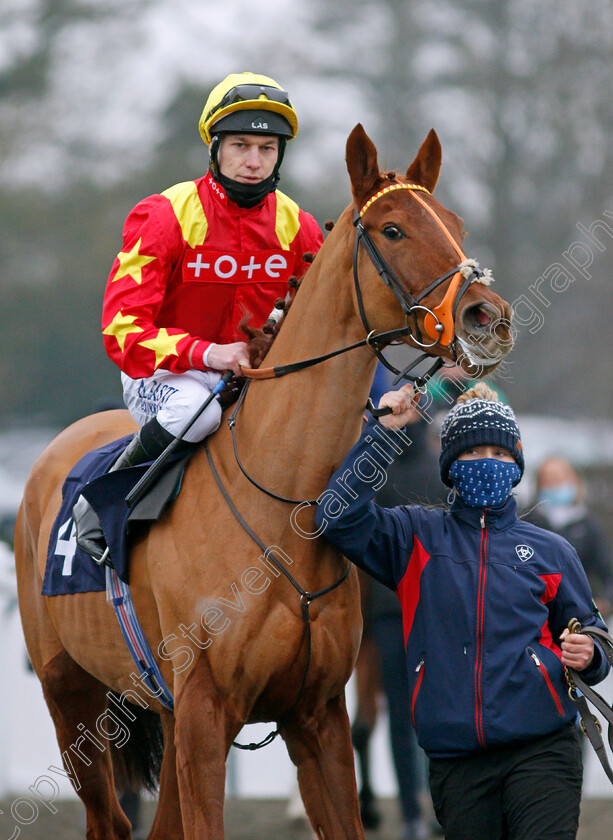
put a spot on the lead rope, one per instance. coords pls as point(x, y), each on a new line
point(305, 601)
point(579, 692)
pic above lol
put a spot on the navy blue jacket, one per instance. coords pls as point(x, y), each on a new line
point(485, 597)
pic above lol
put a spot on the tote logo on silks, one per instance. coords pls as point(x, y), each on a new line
point(524, 552)
point(203, 265)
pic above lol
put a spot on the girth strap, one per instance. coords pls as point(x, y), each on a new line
point(118, 593)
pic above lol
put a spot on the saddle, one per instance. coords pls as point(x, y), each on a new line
point(580, 693)
point(69, 569)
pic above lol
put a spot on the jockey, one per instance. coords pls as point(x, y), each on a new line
point(194, 260)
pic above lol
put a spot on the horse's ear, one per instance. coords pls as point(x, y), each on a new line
point(361, 157)
point(426, 166)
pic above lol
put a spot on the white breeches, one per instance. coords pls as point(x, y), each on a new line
point(174, 398)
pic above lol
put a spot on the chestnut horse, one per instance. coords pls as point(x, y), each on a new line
point(228, 630)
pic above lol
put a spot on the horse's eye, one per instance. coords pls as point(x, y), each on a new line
point(392, 232)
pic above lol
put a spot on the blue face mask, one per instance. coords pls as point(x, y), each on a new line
point(562, 494)
point(484, 482)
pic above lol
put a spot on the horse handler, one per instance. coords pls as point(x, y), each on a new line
point(195, 259)
point(486, 601)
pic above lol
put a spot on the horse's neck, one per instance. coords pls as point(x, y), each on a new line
point(306, 421)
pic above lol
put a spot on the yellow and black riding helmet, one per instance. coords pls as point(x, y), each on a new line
point(247, 103)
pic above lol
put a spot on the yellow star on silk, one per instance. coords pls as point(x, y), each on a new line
point(121, 326)
point(163, 345)
point(131, 264)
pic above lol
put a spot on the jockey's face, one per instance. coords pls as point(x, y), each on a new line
point(247, 158)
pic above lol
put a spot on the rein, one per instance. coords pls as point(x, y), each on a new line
point(372, 340)
point(306, 598)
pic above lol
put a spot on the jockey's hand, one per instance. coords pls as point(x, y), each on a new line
point(577, 650)
point(403, 404)
point(228, 356)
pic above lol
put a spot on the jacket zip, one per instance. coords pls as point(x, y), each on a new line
point(420, 675)
point(480, 632)
point(547, 679)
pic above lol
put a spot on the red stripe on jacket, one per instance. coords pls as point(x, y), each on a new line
point(552, 584)
point(408, 588)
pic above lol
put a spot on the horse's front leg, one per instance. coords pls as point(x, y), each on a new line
point(321, 750)
point(204, 730)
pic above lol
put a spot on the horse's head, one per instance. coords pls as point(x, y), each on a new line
point(413, 244)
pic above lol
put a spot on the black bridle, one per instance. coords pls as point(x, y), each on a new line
point(409, 304)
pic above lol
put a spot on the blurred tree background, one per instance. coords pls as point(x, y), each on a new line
point(99, 107)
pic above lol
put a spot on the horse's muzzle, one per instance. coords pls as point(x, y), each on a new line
point(484, 333)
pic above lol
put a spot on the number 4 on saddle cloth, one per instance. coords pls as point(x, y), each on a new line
point(69, 569)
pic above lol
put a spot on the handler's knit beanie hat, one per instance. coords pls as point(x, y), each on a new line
point(478, 419)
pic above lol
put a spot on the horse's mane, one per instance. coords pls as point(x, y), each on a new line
point(260, 339)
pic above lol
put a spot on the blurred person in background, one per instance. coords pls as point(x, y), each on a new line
point(560, 506)
point(446, 385)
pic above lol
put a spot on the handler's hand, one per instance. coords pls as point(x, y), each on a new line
point(232, 356)
point(403, 403)
point(577, 650)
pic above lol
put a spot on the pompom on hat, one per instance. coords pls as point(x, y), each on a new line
point(479, 419)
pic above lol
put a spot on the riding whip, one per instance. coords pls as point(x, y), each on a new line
point(139, 489)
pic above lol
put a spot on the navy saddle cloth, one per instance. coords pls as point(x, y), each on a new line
point(70, 570)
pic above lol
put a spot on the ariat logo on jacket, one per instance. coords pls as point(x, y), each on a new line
point(524, 552)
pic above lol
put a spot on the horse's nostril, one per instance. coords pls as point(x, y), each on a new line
point(479, 316)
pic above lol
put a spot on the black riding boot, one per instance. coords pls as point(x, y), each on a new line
point(146, 445)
